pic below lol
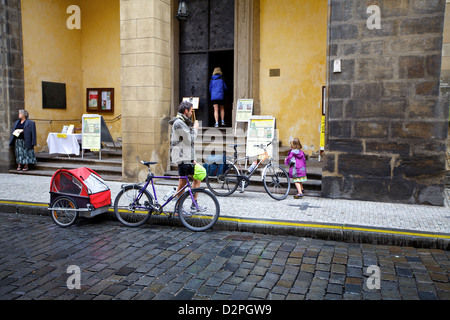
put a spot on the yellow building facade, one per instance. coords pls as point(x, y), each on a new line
point(281, 58)
point(294, 41)
point(131, 46)
point(80, 58)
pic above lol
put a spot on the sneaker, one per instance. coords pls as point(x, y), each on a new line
point(222, 123)
point(298, 196)
point(216, 125)
point(183, 212)
point(200, 208)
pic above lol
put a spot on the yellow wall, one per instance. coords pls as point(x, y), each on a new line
point(78, 58)
point(101, 53)
point(293, 39)
point(51, 53)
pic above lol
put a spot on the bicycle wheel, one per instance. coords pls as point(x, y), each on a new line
point(276, 182)
point(130, 211)
point(201, 214)
point(61, 212)
point(224, 184)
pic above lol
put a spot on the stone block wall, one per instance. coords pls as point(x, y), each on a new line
point(145, 40)
point(11, 76)
point(387, 114)
point(445, 75)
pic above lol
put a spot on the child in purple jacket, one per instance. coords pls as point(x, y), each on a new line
point(296, 161)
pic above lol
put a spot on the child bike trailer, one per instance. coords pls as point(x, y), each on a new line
point(77, 192)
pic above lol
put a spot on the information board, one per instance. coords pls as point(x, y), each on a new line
point(244, 110)
point(322, 134)
point(100, 100)
point(261, 130)
point(91, 131)
point(194, 100)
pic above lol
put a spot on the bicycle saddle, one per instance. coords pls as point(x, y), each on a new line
point(148, 163)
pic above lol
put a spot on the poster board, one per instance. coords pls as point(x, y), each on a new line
point(100, 100)
point(322, 134)
point(194, 100)
point(91, 132)
point(261, 130)
point(244, 110)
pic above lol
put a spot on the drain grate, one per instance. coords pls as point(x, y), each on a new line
point(239, 237)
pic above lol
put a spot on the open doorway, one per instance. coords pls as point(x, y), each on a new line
point(207, 41)
point(224, 60)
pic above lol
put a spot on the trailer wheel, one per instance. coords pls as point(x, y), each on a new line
point(61, 211)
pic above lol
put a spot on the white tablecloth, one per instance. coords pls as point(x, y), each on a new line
point(68, 145)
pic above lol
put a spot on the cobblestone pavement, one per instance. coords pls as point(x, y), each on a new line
point(166, 263)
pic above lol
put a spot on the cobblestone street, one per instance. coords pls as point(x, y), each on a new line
point(173, 263)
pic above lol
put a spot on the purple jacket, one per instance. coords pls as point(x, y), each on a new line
point(299, 169)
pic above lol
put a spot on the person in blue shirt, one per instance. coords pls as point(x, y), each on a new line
point(217, 88)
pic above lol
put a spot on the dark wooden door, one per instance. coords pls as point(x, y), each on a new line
point(206, 42)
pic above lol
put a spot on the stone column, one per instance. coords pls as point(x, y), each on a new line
point(246, 52)
point(145, 33)
point(387, 117)
point(11, 77)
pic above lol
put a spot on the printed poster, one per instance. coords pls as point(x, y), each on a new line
point(244, 110)
point(106, 100)
point(322, 134)
point(93, 96)
point(91, 133)
point(261, 130)
point(194, 100)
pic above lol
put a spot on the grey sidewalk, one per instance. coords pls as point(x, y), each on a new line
point(332, 219)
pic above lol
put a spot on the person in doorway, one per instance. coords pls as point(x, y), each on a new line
point(296, 160)
point(217, 89)
point(23, 137)
point(182, 140)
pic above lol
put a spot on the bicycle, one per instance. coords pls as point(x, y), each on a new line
point(275, 178)
point(198, 209)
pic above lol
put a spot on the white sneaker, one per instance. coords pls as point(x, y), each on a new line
point(200, 208)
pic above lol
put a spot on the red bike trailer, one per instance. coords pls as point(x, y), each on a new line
point(77, 192)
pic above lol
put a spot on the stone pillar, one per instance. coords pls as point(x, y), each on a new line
point(445, 76)
point(387, 117)
point(11, 76)
point(246, 52)
point(145, 36)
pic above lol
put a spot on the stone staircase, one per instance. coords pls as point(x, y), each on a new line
point(109, 167)
point(208, 139)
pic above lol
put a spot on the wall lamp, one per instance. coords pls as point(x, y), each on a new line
point(182, 14)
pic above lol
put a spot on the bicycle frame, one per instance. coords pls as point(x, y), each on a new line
point(258, 164)
point(150, 178)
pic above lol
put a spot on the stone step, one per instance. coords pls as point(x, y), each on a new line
point(220, 139)
point(254, 186)
point(109, 167)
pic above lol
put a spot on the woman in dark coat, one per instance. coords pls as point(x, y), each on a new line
point(23, 137)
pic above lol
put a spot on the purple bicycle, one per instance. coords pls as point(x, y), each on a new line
point(198, 209)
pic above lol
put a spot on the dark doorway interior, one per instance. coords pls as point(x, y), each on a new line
point(224, 60)
point(207, 41)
